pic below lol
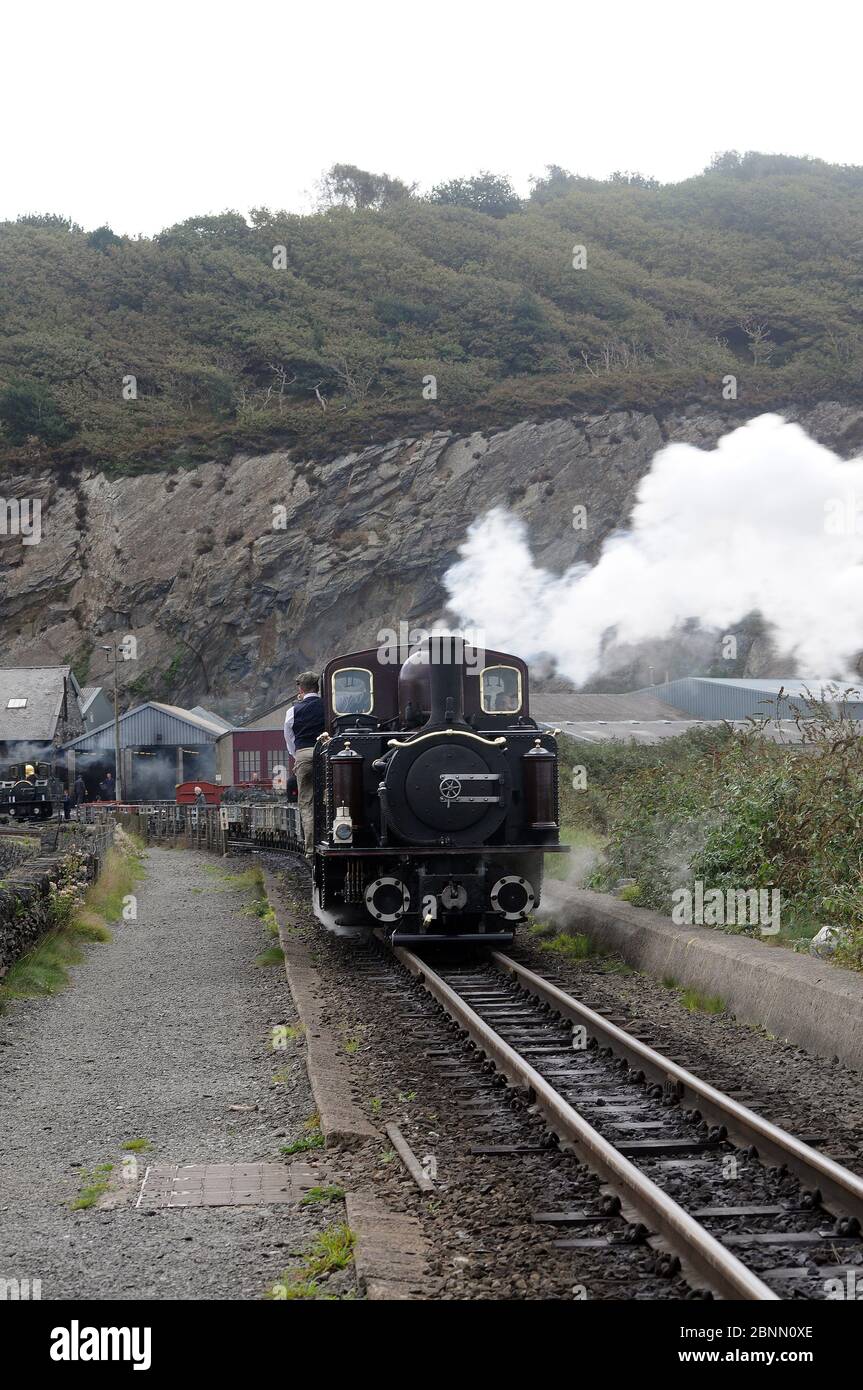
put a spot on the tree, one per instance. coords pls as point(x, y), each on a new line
point(760, 343)
point(489, 193)
point(345, 185)
point(724, 162)
point(633, 179)
point(26, 409)
point(220, 229)
point(54, 221)
point(102, 238)
point(557, 181)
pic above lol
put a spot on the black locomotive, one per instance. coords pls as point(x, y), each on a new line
point(436, 794)
point(30, 792)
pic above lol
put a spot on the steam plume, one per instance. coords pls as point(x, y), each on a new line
point(769, 521)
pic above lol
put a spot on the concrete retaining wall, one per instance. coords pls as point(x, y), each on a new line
point(798, 998)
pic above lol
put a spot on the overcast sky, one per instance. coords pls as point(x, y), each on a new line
point(141, 115)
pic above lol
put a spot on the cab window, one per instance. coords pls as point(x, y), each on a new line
point(353, 691)
point(501, 690)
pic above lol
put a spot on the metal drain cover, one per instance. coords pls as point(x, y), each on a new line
point(223, 1184)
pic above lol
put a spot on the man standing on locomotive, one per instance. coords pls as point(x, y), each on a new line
point(304, 723)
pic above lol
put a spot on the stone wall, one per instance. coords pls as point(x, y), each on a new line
point(25, 903)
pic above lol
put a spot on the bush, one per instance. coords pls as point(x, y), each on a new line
point(734, 810)
point(27, 409)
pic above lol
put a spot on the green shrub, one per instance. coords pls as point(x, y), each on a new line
point(737, 811)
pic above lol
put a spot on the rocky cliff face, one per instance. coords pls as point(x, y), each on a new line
point(231, 577)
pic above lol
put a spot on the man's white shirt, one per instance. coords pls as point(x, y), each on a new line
point(290, 741)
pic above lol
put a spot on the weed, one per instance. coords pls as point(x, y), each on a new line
point(274, 956)
point(572, 947)
point(94, 1186)
point(321, 1196)
point(330, 1251)
point(701, 1003)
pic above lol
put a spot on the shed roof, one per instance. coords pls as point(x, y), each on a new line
point(142, 724)
point(640, 704)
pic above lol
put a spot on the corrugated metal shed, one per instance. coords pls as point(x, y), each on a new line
point(151, 724)
point(711, 697)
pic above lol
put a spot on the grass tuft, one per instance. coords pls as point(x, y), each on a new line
point(274, 956)
point(576, 947)
point(701, 1003)
point(321, 1196)
point(94, 1186)
point(303, 1145)
point(329, 1252)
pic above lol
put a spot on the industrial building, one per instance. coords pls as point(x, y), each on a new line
point(160, 746)
point(710, 697)
point(249, 753)
point(671, 709)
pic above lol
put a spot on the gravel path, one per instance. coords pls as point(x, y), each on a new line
point(162, 1030)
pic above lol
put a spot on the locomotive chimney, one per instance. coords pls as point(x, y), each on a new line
point(445, 655)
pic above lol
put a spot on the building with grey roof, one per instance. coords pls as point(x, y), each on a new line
point(39, 710)
point(160, 746)
point(712, 697)
point(551, 708)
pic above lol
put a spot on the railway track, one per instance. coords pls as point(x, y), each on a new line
point(736, 1206)
point(741, 1208)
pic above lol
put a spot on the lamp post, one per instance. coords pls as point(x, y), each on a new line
point(118, 773)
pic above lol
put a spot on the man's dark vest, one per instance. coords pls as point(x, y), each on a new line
point(308, 721)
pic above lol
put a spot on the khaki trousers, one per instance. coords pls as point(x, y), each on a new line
point(306, 793)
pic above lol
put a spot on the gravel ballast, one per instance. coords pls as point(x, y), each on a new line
point(484, 1242)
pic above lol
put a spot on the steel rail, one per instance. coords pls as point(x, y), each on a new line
point(721, 1271)
point(841, 1190)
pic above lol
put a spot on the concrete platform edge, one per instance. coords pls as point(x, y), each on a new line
point(343, 1124)
point(795, 997)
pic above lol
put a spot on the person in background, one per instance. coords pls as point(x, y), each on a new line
point(200, 799)
point(304, 723)
point(107, 790)
point(79, 793)
point(67, 803)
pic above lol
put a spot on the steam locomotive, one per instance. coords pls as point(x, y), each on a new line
point(436, 794)
point(30, 792)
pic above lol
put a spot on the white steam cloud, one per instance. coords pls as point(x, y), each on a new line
point(769, 521)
